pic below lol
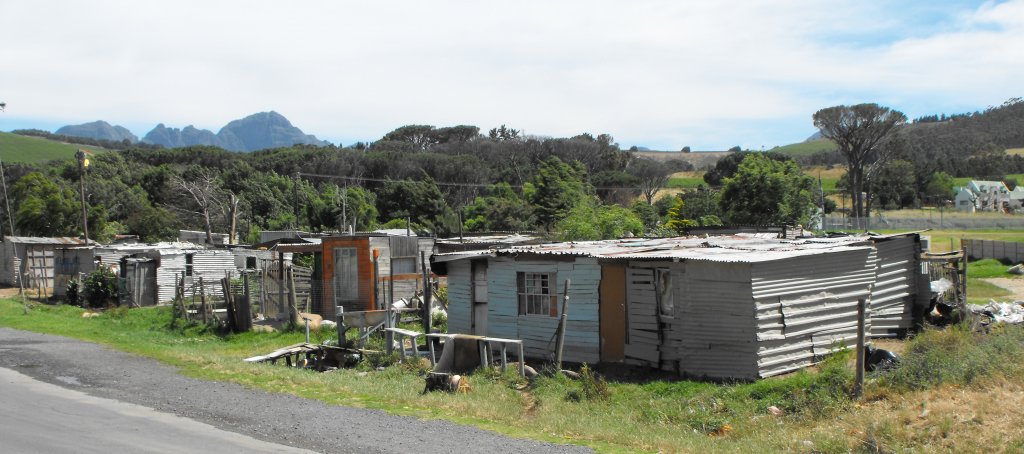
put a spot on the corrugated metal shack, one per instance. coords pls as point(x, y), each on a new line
point(742, 307)
point(68, 264)
point(32, 258)
point(346, 273)
point(155, 271)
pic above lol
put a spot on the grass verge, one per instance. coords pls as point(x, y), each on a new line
point(671, 416)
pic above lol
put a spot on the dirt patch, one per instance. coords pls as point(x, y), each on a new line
point(1014, 286)
point(7, 292)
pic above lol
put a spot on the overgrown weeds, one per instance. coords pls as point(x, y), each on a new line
point(670, 416)
point(957, 355)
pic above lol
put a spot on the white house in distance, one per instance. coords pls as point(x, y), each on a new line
point(983, 196)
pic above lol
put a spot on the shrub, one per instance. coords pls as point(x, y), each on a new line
point(100, 288)
point(439, 321)
point(72, 295)
point(594, 386)
point(957, 355)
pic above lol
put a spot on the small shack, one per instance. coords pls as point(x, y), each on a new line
point(153, 273)
point(364, 271)
point(31, 258)
point(70, 263)
point(732, 307)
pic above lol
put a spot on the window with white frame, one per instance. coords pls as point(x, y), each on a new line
point(537, 294)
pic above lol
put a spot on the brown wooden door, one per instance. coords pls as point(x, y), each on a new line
point(613, 312)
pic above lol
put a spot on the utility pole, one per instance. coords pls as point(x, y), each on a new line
point(3, 180)
point(295, 200)
point(83, 164)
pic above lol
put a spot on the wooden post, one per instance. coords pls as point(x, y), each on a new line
point(427, 292)
point(280, 280)
point(181, 297)
point(963, 277)
point(202, 301)
point(389, 337)
point(230, 306)
point(243, 309)
point(858, 383)
point(376, 279)
point(562, 320)
point(293, 311)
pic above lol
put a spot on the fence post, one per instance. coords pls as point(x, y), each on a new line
point(202, 301)
point(858, 383)
point(562, 325)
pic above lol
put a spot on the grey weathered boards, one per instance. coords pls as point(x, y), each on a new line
point(723, 307)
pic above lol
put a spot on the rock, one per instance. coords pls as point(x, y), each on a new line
point(571, 374)
point(529, 371)
point(1016, 269)
point(775, 410)
point(90, 314)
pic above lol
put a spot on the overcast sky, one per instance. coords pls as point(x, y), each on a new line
point(661, 74)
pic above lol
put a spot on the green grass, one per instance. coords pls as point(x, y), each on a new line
point(958, 355)
point(685, 182)
point(670, 416)
point(806, 148)
point(18, 148)
point(655, 416)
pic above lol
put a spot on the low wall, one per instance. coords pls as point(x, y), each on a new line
point(935, 223)
point(1000, 250)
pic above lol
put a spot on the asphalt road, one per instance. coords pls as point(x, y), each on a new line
point(86, 385)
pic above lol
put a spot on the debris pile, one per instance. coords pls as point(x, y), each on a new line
point(997, 312)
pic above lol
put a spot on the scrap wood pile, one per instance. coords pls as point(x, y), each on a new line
point(312, 356)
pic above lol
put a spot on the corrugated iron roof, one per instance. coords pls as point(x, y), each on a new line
point(514, 238)
point(739, 248)
point(44, 240)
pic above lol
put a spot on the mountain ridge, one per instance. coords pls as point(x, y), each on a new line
point(258, 131)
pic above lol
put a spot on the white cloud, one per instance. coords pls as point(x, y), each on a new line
point(656, 73)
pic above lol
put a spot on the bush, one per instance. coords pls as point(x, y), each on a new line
point(72, 295)
point(594, 386)
point(957, 355)
point(439, 321)
point(100, 288)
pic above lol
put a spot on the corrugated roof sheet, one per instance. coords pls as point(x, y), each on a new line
point(44, 240)
point(739, 248)
point(514, 238)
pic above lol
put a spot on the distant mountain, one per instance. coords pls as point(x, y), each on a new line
point(263, 130)
point(255, 132)
point(100, 130)
point(174, 137)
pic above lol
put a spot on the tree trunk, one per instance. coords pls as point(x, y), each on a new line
point(234, 214)
point(209, 228)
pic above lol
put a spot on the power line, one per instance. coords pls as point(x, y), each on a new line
point(442, 183)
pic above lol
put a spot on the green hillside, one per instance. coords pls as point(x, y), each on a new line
point(17, 148)
point(806, 148)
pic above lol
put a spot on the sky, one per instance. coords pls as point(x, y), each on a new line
point(656, 74)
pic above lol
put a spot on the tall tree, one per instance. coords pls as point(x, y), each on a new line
point(860, 132)
point(202, 185)
point(557, 188)
point(765, 191)
point(651, 176)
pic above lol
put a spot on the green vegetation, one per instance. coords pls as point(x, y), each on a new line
point(23, 149)
point(607, 414)
point(685, 182)
point(806, 148)
point(767, 191)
